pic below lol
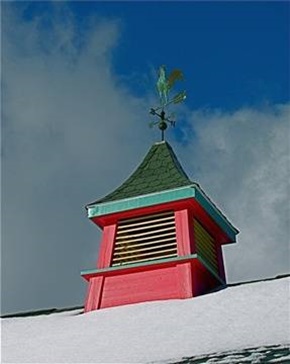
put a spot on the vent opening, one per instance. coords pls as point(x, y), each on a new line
point(145, 238)
point(205, 246)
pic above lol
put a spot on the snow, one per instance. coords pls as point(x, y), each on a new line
point(245, 316)
point(261, 355)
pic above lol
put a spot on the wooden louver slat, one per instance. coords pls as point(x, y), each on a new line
point(142, 254)
point(121, 240)
point(148, 259)
point(145, 222)
point(145, 238)
point(163, 224)
point(141, 232)
point(141, 244)
point(205, 246)
point(122, 252)
point(144, 218)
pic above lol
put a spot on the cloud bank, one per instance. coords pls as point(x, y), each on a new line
point(242, 160)
point(73, 132)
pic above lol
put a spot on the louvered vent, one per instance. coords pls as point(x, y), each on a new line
point(145, 238)
point(205, 246)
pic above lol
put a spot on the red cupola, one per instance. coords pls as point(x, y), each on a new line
point(162, 237)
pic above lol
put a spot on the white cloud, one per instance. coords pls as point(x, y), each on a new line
point(242, 160)
point(68, 140)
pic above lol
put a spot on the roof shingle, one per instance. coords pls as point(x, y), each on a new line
point(160, 170)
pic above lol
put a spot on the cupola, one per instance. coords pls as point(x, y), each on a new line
point(162, 237)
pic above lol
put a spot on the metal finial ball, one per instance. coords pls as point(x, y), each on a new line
point(162, 125)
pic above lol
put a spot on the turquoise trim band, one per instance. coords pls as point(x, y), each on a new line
point(210, 208)
point(140, 201)
point(134, 265)
point(176, 194)
point(155, 262)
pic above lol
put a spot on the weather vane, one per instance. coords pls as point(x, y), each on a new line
point(164, 86)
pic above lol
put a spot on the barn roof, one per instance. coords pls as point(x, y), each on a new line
point(160, 170)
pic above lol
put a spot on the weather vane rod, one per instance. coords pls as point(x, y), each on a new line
point(164, 86)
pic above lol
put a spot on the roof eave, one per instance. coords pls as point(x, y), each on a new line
point(181, 193)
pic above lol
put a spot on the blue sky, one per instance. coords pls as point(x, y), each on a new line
point(232, 53)
point(78, 82)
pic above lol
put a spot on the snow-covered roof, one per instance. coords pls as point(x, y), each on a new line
point(239, 317)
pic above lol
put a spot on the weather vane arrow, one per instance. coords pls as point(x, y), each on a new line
point(164, 86)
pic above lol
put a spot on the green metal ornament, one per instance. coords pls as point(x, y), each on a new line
point(164, 85)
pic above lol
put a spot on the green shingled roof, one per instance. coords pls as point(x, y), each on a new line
point(159, 171)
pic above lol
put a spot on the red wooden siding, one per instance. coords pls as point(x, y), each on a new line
point(138, 236)
point(220, 262)
point(203, 280)
point(94, 295)
point(164, 281)
point(106, 248)
point(186, 284)
point(168, 280)
point(141, 286)
point(184, 234)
